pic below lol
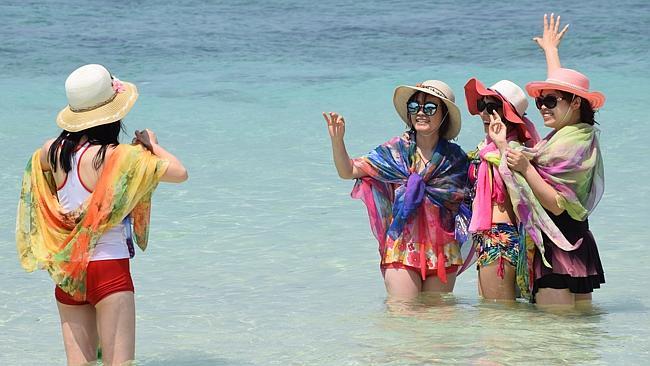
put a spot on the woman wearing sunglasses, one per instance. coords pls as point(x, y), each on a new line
point(495, 236)
point(559, 182)
point(412, 186)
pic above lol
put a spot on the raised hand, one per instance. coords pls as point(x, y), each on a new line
point(551, 35)
point(497, 130)
point(335, 125)
point(146, 138)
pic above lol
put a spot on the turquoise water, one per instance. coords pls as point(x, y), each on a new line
point(261, 258)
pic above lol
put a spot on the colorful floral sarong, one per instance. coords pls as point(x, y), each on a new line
point(62, 242)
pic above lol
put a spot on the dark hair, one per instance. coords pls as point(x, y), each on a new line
point(65, 145)
point(586, 112)
point(444, 126)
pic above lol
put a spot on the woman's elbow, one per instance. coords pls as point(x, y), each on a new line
point(181, 176)
point(175, 175)
point(184, 176)
point(345, 176)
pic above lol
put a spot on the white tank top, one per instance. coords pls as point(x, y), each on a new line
point(72, 194)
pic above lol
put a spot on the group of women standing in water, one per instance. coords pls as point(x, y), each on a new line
point(521, 202)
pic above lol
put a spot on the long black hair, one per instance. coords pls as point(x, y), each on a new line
point(65, 145)
point(586, 112)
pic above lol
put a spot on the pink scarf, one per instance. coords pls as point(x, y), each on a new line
point(490, 187)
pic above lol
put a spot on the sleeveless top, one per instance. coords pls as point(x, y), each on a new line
point(72, 193)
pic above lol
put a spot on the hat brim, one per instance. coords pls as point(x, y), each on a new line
point(596, 99)
point(113, 111)
point(404, 92)
point(474, 90)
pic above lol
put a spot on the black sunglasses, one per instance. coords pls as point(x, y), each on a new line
point(550, 101)
point(481, 105)
point(428, 108)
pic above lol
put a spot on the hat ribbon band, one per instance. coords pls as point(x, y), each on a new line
point(88, 109)
point(567, 84)
point(435, 91)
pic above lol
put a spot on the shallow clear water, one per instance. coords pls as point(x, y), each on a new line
point(261, 258)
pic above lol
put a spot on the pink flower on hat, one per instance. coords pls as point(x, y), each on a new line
point(118, 87)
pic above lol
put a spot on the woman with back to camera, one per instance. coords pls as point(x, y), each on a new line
point(81, 194)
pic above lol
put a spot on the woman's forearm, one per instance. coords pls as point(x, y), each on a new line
point(342, 161)
point(546, 194)
point(552, 59)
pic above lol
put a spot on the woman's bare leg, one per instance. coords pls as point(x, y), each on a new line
point(116, 324)
point(402, 283)
point(555, 298)
point(79, 328)
point(492, 286)
point(433, 284)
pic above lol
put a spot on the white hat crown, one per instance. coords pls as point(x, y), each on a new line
point(89, 87)
point(513, 94)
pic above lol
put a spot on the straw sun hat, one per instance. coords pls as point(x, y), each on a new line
point(433, 87)
point(95, 98)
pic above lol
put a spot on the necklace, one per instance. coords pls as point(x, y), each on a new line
point(425, 160)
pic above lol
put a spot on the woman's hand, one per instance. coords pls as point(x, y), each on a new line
point(146, 138)
point(551, 38)
point(335, 125)
point(516, 160)
point(497, 131)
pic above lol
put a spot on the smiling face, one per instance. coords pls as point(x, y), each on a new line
point(565, 112)
point(421, 121)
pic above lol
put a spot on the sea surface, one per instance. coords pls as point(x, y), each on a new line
point(261, 257)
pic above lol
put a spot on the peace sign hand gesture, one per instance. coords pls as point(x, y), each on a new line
point(497, 130)
point(551, 38)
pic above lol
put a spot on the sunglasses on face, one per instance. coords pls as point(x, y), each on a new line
point(550, 101)
point(481, 105)
point(429, 108)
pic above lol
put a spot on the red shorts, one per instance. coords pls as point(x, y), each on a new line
point(102, 279)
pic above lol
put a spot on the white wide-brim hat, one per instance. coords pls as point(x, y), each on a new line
point(95, 98)
point(436, 88)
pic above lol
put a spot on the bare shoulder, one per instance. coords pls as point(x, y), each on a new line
point(45, 149)
point(46, 146)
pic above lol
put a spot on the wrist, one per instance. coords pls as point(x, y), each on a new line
point(501, 145)
point(528, 170)
point(338, 141)
point(550, 50)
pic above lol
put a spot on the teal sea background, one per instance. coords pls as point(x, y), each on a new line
point(262, 258)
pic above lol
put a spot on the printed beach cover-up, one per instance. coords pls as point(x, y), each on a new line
point(62, 242)
point(413, 214)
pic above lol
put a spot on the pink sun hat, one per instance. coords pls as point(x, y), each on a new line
point(569, 81)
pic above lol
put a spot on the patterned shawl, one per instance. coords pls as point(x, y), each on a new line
point(392, 210)
point(62, 242)
point(570, 161)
